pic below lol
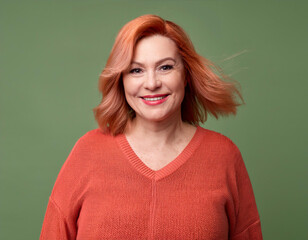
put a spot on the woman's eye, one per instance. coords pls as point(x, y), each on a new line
point(166, 67)
point(135, 70)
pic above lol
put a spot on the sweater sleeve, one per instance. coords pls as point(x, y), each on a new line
point(64, 204)
point(55, 225)
point(247, 221)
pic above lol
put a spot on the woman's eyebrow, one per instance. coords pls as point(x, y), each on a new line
point(157, 63)
point(165, 59)
point(137, 63)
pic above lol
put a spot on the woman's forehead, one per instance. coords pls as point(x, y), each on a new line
point(154, 48)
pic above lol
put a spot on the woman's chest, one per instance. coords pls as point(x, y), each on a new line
point(154, 210)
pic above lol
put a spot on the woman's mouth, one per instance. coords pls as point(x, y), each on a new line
point(154, 99)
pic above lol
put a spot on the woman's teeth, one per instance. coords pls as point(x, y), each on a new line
point(154, 99)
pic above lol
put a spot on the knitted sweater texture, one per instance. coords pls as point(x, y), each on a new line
point(104, 191)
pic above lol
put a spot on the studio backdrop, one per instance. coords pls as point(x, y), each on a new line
point(52, 53)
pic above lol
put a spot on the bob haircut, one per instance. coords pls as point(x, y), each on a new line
point(205, 93)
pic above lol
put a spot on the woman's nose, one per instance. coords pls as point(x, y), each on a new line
point(152, 81)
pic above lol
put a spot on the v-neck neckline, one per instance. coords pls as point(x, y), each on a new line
point(171, 167)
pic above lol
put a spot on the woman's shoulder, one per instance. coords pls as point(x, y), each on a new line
point(93, 138)
point(217, 141)
point(96, 134)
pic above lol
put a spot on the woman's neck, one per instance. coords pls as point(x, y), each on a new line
point(162, 132)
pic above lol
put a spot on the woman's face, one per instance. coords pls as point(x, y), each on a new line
point(154, 84)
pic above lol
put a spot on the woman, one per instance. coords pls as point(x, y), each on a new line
point(150, 172)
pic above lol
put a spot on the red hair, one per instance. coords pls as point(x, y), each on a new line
point(206, 92)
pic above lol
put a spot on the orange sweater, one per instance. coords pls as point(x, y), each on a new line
point(104, 191)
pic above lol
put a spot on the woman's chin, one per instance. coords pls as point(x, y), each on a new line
point(158, 117)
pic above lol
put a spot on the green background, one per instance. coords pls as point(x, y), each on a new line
point(52, 53)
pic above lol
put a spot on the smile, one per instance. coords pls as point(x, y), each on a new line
point(154, 100)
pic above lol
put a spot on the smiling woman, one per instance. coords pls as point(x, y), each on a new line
point(205, 92)
point(150, 171)
point(154, 85)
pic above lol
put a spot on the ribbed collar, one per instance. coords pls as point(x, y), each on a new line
point(171, 167)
